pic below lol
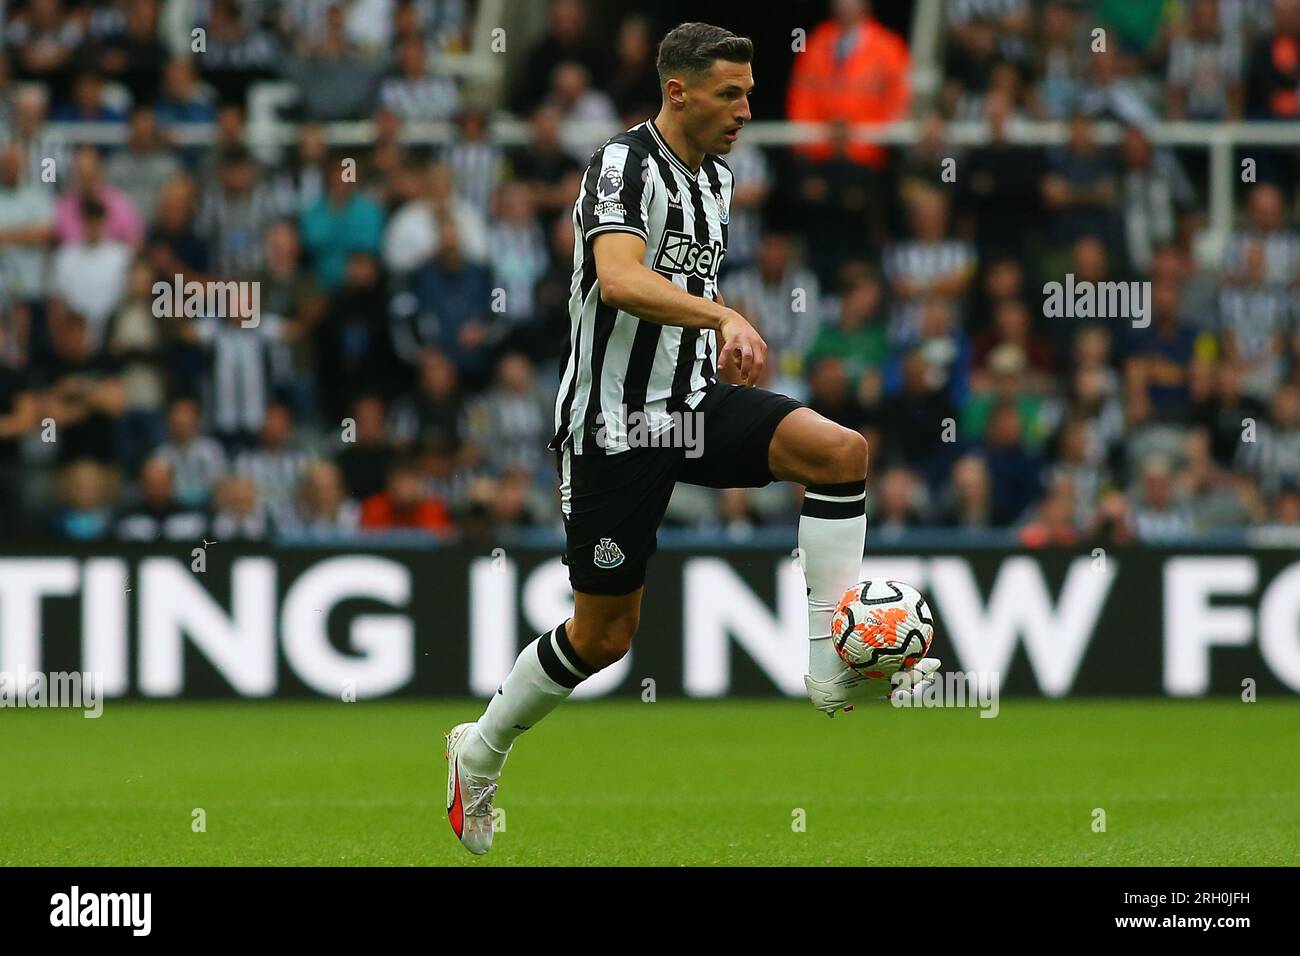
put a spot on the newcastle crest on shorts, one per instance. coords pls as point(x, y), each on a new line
point(607, 554)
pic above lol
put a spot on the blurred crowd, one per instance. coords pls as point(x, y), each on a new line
point(413, 299)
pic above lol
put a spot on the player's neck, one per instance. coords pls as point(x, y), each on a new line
point(676, 139)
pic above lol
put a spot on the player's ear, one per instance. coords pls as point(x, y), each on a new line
point(674, 91)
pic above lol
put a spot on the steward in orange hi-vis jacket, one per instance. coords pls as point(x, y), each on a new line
point(855, 70)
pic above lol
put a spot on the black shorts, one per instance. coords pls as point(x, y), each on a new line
point(613, 504)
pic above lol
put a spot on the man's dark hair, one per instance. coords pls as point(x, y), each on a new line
point(689, 50)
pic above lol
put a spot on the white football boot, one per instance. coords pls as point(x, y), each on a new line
point(469, 797)
point(848, 687)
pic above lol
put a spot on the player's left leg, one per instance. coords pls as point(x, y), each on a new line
point(831, 462)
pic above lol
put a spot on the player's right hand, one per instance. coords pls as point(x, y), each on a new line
point(739, 342)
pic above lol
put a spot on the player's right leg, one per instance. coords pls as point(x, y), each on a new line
point(544, 675)
point(612, 508)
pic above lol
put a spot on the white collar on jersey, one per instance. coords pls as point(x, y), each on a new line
point(672, 156)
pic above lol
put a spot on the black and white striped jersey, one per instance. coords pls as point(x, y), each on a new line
point(615, 363)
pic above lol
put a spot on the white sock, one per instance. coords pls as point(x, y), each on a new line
point(544, 675)
point(832, 535)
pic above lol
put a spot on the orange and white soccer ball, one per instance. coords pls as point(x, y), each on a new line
point(882, 627)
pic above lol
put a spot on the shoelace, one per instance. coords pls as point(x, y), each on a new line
point(480, 800)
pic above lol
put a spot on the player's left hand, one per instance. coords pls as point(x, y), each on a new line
point(740, 342)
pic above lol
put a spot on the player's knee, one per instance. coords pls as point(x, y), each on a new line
point(607, 641)
point(848, 457)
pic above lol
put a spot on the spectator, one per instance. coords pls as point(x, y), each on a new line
point(144, 166)
point(781, 297)
point(567, 40)
point(1052, 524)
point(324, 507)
point(366, 460)
point(354, 341)
point(414, 233)
point(856, 333)
point(134, 56)
point(337, 78)
point(1274, 456)
point(157, 515)
point(1060, 60)
point(88, 103)
point(175, 246)
point(853, 70)
point(289, 292)
point(403, 504)
point(83, 393)
point(916, 420)
point(634, 82)
point(836, 208)
point(244, 367)
point(476, 163)
point(1158, 514)
point(236, 212)
point(341, 224)
point(1155, 199)
point(929, 264)
point(414, 94)
point(26, 220)
point(236, 54)
point(900, 503)
point(42, 40)
point(184, 98)
point(1273, 84)
point(275, 466)
point(1016, 472)
point(581, 105)
point(122, 221)
point(448, 309)
point(545, 167)
point(519, 257)
point(511, 422)
point(997, 187)
point(134, 340)
point(1081, 189)
point(968, 501)
point(1205, 69)
point(89, 274)
point(237, 515)
point(196, 460)
point(85, 512)
point(1160, 355)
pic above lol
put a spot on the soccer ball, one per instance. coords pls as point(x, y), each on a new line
point(882, 627)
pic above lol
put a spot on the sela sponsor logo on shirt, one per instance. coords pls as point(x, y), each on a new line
point(103, 909)
point(682, 254)
point(608, 188)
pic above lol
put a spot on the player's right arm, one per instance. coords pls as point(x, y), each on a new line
point(627, 284)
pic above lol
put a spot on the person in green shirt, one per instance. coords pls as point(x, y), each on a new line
point(857, 334)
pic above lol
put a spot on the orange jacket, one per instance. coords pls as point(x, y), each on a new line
point(377, 511)
point(871, 85)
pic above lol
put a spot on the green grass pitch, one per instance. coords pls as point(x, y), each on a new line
point(670, 783)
